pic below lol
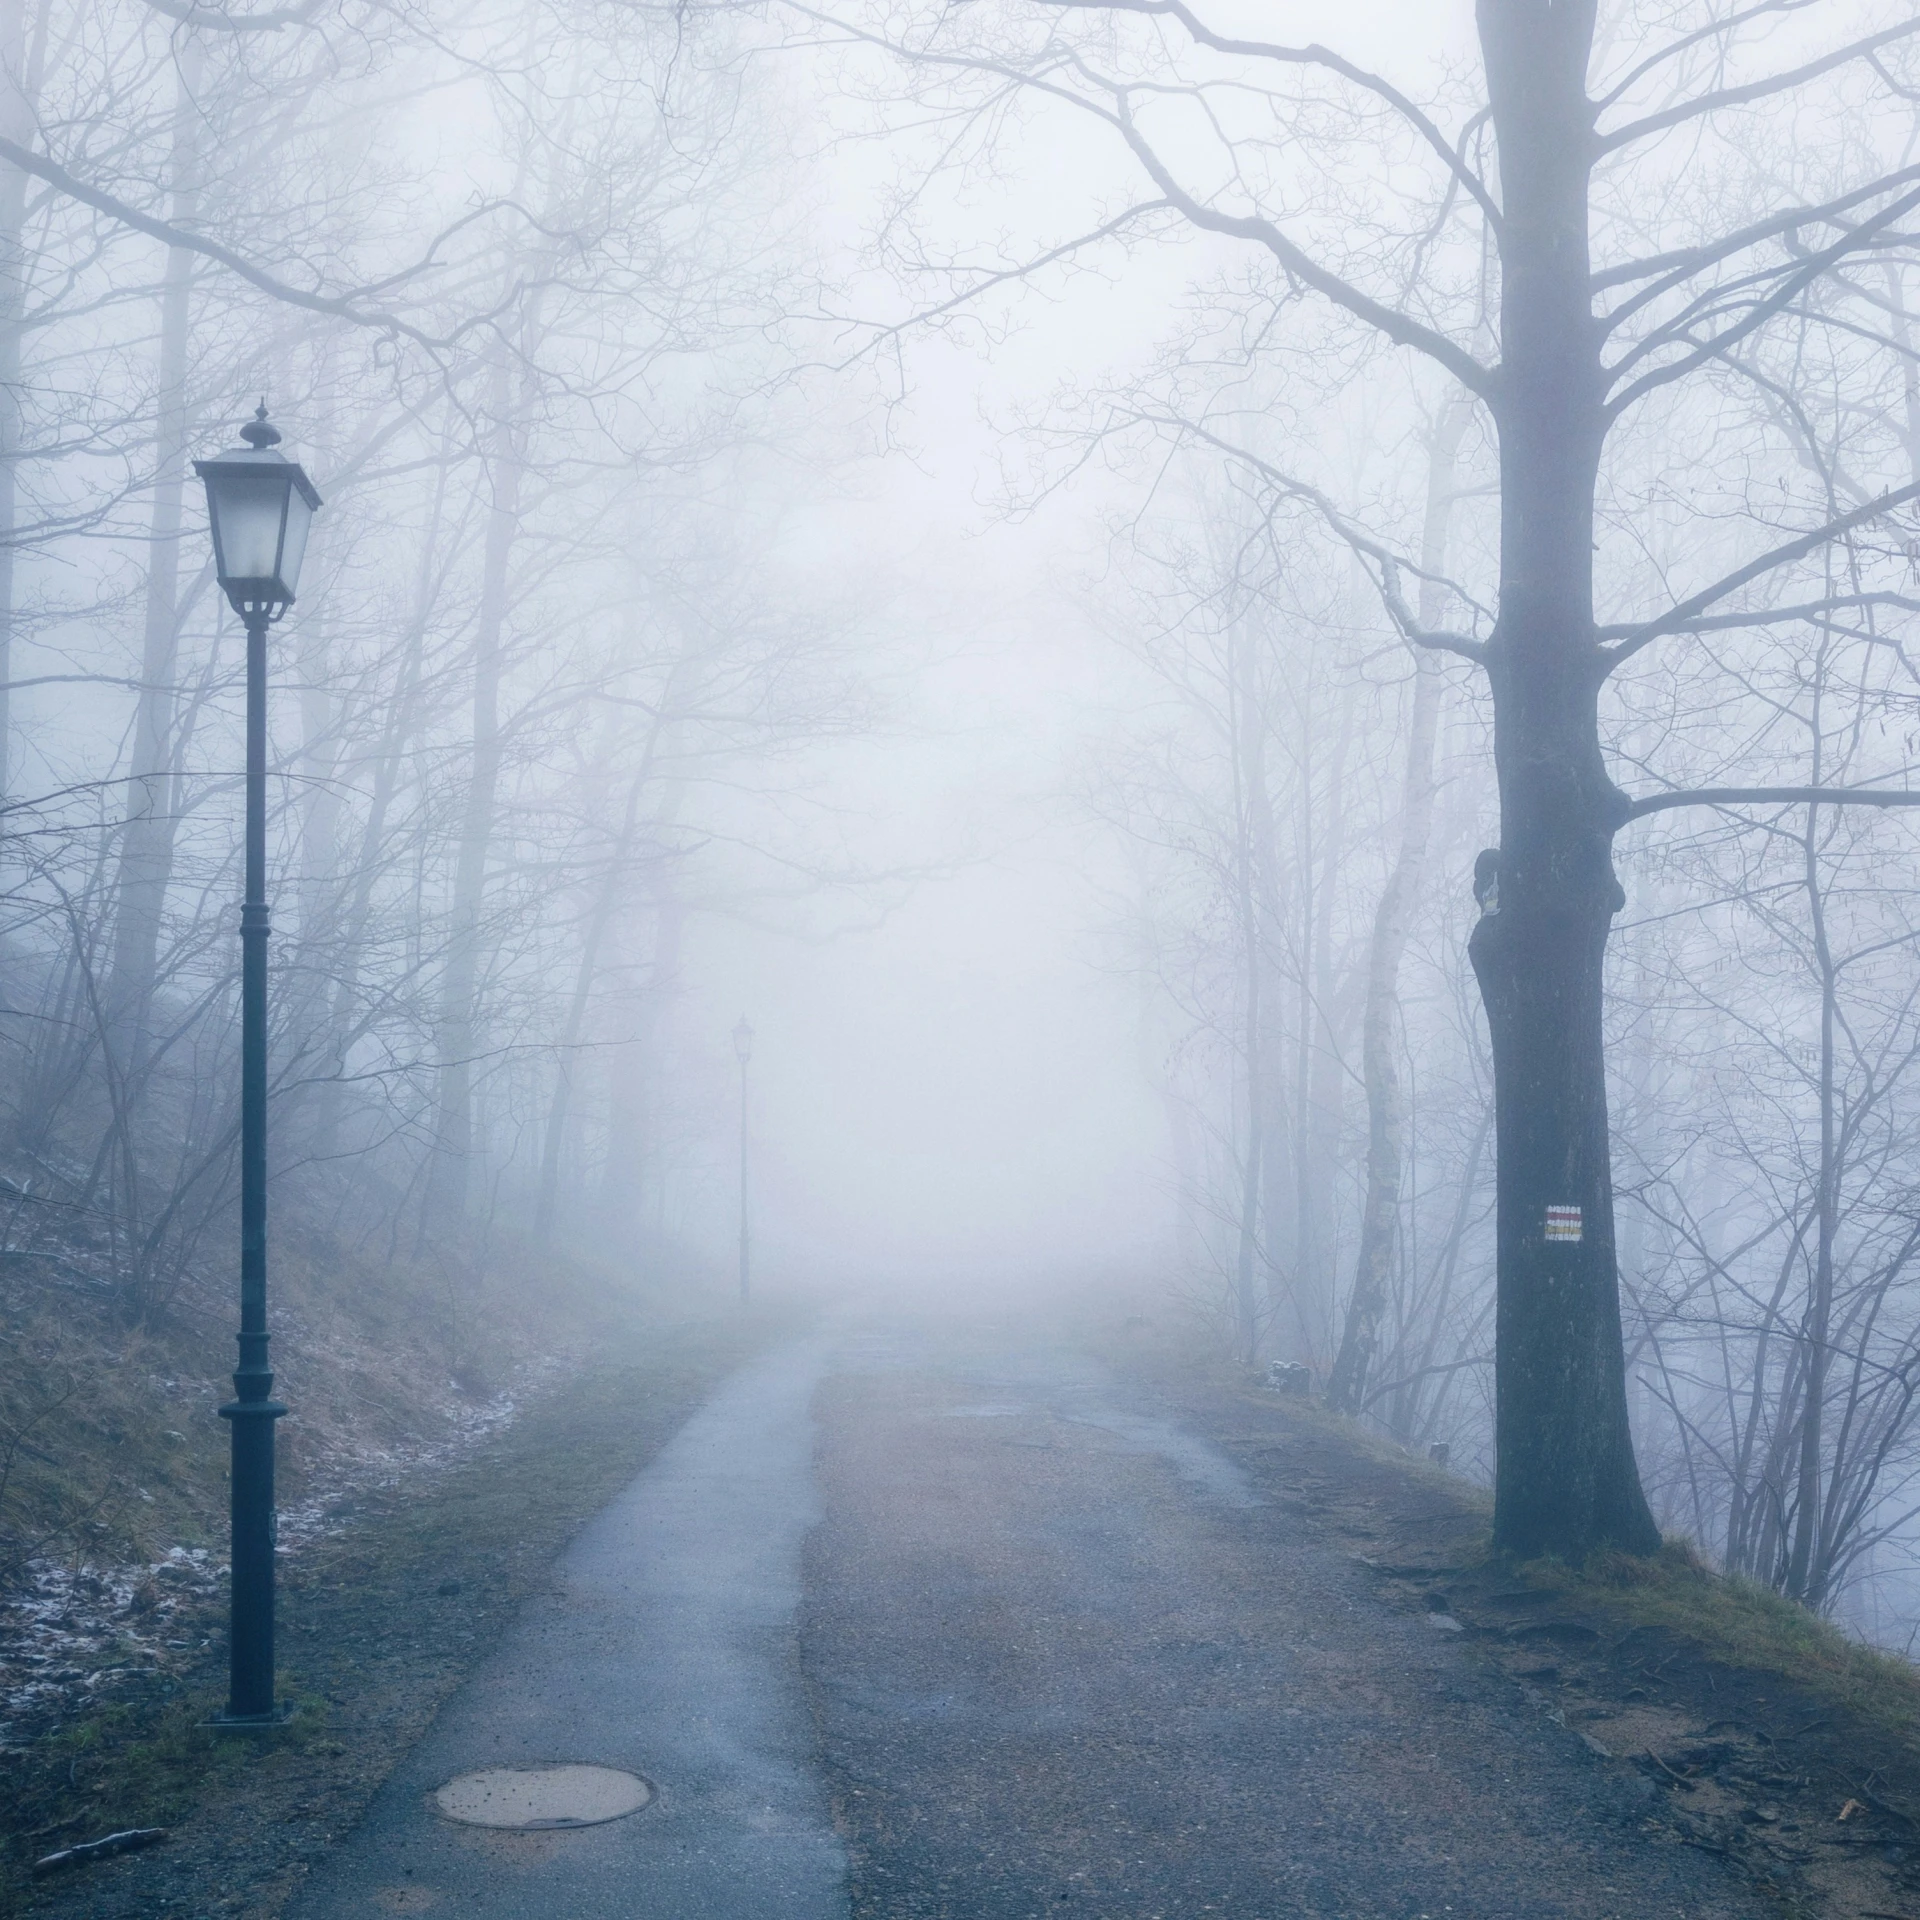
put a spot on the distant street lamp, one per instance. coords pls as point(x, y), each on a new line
point(259, 507)
point(743, 1046)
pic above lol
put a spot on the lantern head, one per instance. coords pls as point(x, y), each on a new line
point(259, 507)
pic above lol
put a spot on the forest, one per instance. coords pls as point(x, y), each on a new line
point(1472, 465)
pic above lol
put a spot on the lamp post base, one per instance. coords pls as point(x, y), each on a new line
point(224, 1722)
point(250, 1695)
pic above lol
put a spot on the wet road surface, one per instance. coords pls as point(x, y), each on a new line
point(666, 1648)
point(910, 1628)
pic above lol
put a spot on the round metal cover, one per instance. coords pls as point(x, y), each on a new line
point(540, 1799)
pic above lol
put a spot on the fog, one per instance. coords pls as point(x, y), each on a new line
point(993, 543)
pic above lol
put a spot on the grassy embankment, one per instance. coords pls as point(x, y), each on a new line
point(1730, 1622)
point(429, 1515)
point(1723, 1621)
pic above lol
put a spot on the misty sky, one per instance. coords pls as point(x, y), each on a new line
point(957, 1086)
point(960, 1086)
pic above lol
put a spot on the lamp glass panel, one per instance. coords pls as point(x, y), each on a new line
point(294, 548)
point(248, 509)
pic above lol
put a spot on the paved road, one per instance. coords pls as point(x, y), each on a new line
point(916, 1628)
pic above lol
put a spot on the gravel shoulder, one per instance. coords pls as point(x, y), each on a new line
point(1799, 1794)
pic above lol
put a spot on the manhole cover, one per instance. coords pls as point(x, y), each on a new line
point(530, 1799)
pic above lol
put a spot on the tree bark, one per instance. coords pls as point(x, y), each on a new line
point(1566, 1480)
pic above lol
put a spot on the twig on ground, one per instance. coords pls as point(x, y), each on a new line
point(131, 1841)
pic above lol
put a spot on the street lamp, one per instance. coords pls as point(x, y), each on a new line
point(743, 1046)
point(259, 507)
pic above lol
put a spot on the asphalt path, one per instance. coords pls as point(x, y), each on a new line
point(921, 1625)
point(666, 1648)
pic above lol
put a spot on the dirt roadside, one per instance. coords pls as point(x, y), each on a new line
point(1816, 1803)
point(380, 1619)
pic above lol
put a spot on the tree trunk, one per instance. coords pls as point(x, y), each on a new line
point(146, 844)
point(600, 922)
point(1806, 1571)
point(1323, 1084)
point(1909, 372)
point(446, 1197)
point(1250, 803)
point(388, 759)
point(1392, 926)
point(1565, 1480)
point(1265, 915)
point(21, 61)
point(302, 1015)
point(634, 1130)
point(1306, 845)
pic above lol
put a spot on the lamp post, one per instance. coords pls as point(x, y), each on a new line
point(743, 1046)
point(259, 507)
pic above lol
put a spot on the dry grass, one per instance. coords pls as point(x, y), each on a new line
point(1740, 1623)
point(110, 1448)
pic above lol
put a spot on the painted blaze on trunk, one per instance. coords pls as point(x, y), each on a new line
point(1566, 1479)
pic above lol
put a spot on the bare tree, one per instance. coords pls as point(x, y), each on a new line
point(1583, 346)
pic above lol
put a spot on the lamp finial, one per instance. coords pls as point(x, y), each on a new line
point(257, 433)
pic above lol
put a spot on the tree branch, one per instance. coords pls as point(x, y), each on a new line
point(1774, 796)
point(334, 306)
point(1684, 262)
point(1761, 312)
point(1309, 56)
point(1679, 618)
point(1391, 564)
point(1779, 616)
point(1756, 89)
point(1402, 329)
point(1713, 30)
point(219, 20)
point(1431, 639)
point(986, 282)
